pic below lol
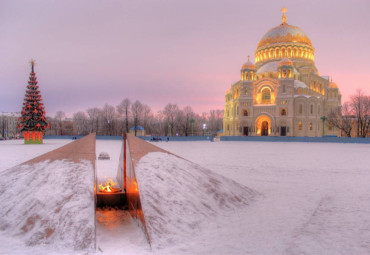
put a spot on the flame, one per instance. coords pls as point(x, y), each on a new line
point(108, 187)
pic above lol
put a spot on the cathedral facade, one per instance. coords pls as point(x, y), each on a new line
point(282, 94)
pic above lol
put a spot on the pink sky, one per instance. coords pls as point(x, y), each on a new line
point(92, 52)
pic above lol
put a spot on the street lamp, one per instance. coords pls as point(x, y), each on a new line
point(192, 126)
point(323, 118)
point(109, 133)
point(204, 128)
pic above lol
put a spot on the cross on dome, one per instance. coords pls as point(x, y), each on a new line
point(284, 10)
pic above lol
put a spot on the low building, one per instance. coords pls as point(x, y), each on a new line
point(140, 131)
point(8, 124)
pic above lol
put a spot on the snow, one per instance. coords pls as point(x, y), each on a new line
point(269, 67)
point(299, 84)
point(41, 208)
point(108, 168)
point(180, 199)
point(118, 233)
point(314, 198)
point(15, 152)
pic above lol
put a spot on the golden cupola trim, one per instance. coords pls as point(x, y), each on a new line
point(286, 69)
point(284, 41)
point(333, 85)
point(248, 65)
point(248, 71)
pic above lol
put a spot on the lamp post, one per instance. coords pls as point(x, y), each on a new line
point(109, 127)
point(192, 126)
point(323, 118)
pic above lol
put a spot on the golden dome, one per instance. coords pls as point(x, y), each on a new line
point(333, 85)
point(286, 62)
point(284, 41)
point(284, 33)
point(248, 65)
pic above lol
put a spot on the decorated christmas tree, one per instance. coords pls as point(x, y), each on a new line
point(33, 121)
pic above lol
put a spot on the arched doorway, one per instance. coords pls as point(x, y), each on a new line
point(265, 128)
point(263, 125)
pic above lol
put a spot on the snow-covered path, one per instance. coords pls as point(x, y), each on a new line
point(316, 197)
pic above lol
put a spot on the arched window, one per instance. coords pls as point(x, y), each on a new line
point(311, 110)
point(266, 96)
point(246, 91)
point(283, 112)
point(299, 125)
point(300, 109)
point(310, 126)
point(295, 52)
point(284, 89)
point(245, 113)
point(299, 90)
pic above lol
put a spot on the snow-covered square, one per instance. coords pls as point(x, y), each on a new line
point(302, 198)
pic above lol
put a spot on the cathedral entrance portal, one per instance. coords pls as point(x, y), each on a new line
point(263, 125)
point(245, 131)
point(283, 131)
point(265, 128)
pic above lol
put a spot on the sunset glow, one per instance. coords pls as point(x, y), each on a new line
point(89, 53)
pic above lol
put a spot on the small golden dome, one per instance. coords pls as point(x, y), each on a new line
point(333, 85)
point(248, 65)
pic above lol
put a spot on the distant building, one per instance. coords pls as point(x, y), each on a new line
point(282, 94)
point(140, 131)
point(8, 124)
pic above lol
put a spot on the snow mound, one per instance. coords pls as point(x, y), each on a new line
point(49, 203)
point(179, 197)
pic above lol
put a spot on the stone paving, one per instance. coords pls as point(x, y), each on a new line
point(82, 149)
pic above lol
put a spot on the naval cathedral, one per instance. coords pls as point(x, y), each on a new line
point(282, 94)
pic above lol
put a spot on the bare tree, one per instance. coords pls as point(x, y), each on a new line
point(341, 118)
point(124, 111)
point(81, 123)
point(93, 114)
point(360, 106)
point(147, 118)
point(108, 117)
point(183, 119)
point(137, 111)
point(60, 117)
point(53, 129)
point(170, 112)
